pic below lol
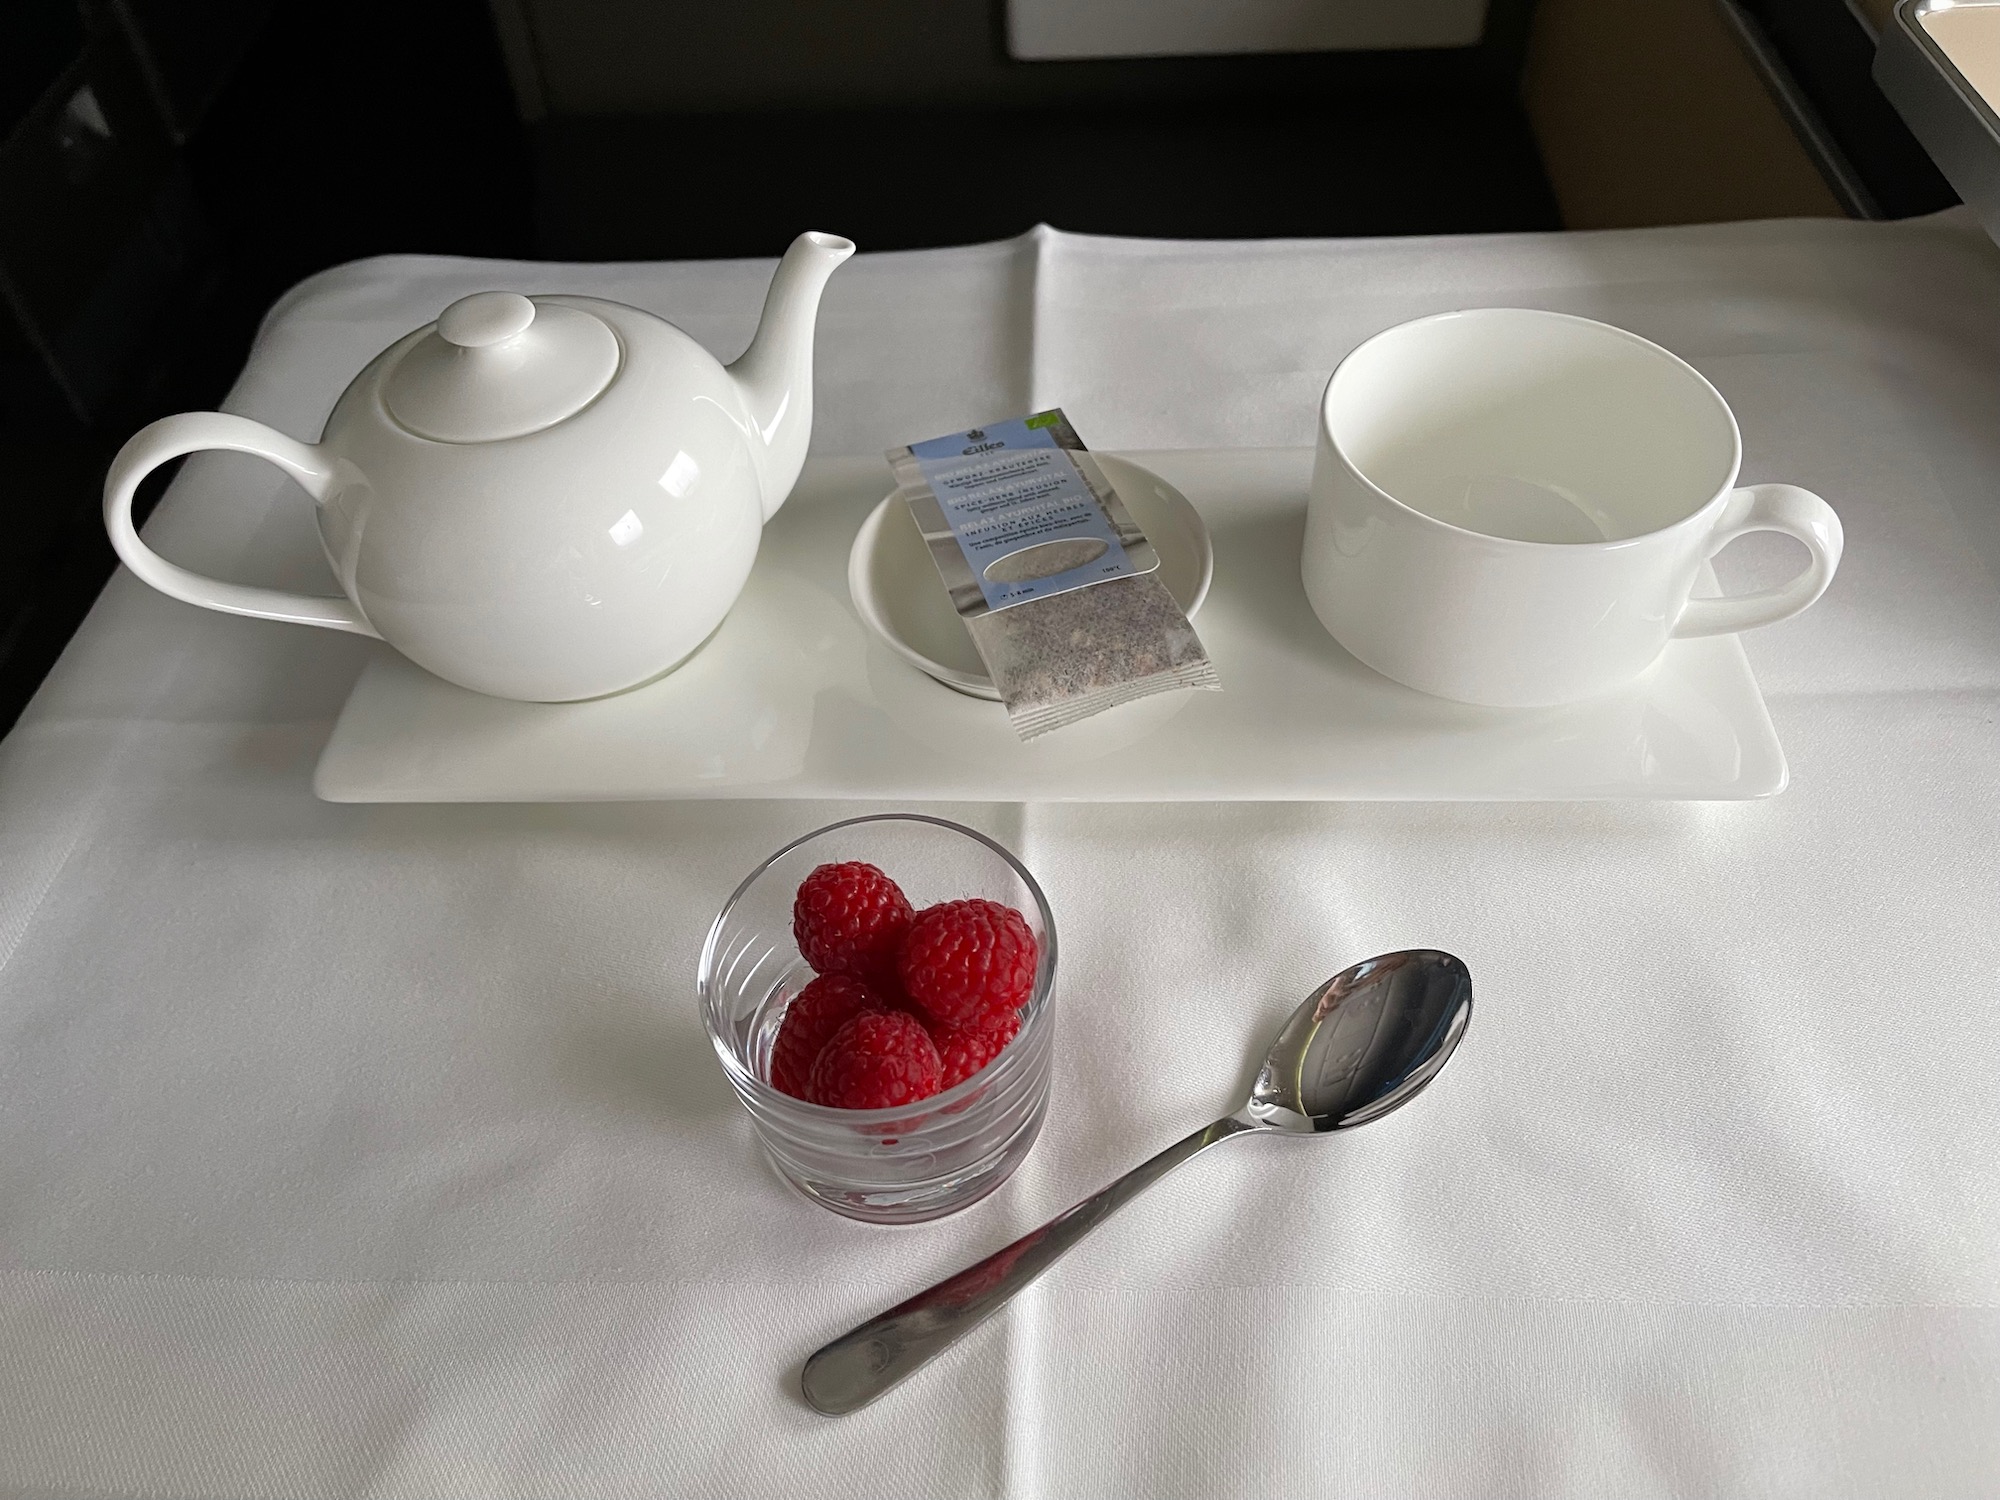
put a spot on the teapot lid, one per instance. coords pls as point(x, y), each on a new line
point(498, 365)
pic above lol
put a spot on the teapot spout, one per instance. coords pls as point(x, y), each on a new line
point(775, 373)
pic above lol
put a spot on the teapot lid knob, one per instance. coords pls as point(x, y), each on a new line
point(485, 318)
point(500, 366)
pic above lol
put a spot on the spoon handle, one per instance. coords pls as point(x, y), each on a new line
point(864, 1362)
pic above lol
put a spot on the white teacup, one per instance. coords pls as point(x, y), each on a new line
point(1510, 507)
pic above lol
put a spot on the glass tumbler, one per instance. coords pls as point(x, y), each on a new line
point(889, 1166)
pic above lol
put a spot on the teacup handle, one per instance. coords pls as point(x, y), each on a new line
point(1769, 507)
point(191, 432)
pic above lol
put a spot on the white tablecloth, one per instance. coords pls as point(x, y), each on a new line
point(351, 1150)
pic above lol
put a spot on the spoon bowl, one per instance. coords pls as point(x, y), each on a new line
point(1361, 1046)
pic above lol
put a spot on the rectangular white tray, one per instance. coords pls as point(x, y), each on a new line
point(793, 698)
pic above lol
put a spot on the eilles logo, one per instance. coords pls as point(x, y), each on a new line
point(977, 437)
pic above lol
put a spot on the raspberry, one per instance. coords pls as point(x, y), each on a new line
point(849, 919)
point(815, 1014)
point(877, 1060)
point(964, 959)
point(964, 1050)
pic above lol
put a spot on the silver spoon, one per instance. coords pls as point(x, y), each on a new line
point(1363, 1044)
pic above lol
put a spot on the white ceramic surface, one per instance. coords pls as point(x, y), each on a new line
point(542, 499)
point(1512, 508)
point(795, 697)
point(894, 585)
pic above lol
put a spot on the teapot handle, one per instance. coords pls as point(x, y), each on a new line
point(191, 432)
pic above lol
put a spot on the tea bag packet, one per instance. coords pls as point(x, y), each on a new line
point(1057, 586)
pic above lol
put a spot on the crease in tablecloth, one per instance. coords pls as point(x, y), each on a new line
point(354, 1150)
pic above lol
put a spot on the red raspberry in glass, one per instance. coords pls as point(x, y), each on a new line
point(964, 959)
point(815, 1014)
point(964, 1050)
point(877, 1060)
point(850, 919)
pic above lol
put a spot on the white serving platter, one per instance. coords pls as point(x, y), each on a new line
point(795, 698)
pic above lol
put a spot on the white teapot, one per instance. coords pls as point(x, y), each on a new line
point(541, 498)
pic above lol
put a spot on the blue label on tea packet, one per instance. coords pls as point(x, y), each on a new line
point(1019, 508)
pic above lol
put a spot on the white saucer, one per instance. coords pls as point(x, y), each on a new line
point(898, 595)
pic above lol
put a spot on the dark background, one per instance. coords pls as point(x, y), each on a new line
point(169, 167)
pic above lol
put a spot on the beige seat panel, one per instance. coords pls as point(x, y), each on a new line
point(1650, 113)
